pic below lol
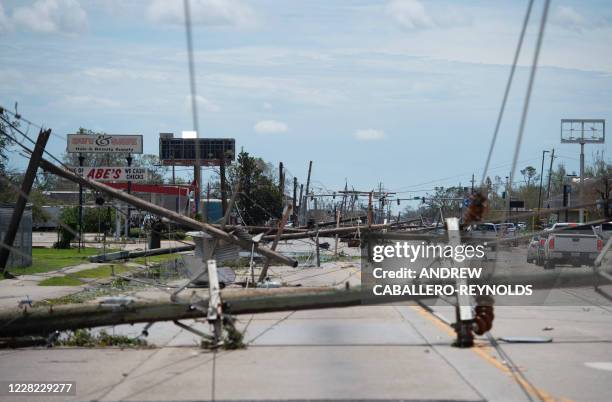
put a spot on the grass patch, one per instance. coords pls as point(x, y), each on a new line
point(102, 271)
point(75, 279)
point(87, 339)
point(116, 287)
point(157, 259)
point(61, 281)
point(51, 259)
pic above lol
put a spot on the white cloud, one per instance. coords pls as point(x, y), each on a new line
point(51, 16)
point(369, 134)
point(5, 23)
point(89, 101)
point(203, 12)
point(409, 14)
point(569, 18)
point(270, 127)
point(141, 73)
point(203, 103)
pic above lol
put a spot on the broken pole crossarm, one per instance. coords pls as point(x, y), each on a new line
point(281, 226)
point(20, 205)
point(166, 213)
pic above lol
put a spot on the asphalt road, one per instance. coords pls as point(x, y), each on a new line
point(365, 352)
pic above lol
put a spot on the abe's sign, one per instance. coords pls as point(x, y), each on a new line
point(104, 143)
point(103, 173)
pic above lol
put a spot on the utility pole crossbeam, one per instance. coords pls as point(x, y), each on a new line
point(26, 187)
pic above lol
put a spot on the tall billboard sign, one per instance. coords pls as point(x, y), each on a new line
point(104, 143)
point(184, 151)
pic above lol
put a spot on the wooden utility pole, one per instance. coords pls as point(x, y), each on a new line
point(281, 180)
point(279, 232)
point(370, 209)
point(163, 212)
point(298, 213)
point(317, 246)
point(294, 204)
point(552, 158)
point(22, 199)
point(223, 186)
point(337, 227)
point(205, 217)
point(304, 204)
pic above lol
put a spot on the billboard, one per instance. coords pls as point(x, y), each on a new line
point(104, 143)
point(106, 173)
point(182, 151)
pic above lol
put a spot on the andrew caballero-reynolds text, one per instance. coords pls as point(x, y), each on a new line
point(432, 280)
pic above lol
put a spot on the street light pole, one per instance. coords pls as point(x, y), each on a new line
point(581, 211)
point(573, 132)
point(540, 191)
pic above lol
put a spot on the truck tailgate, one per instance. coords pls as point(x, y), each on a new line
point(575, 242)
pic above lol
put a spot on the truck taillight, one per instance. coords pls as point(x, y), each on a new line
point(599, 244)
point(551, 243)
point(542, 242)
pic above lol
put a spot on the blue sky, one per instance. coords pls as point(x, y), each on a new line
point(402, 91)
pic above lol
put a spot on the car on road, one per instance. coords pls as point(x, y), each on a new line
point(484, 232)
point(535, 250)
point(571, 244)
point(605, 231)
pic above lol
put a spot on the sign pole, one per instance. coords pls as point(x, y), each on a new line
point(81, 160)
point(129, 190)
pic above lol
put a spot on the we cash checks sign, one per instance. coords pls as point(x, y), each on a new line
point(104, 143)
point(103, 173)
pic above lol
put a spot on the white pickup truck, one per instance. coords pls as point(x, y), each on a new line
point(571, 244)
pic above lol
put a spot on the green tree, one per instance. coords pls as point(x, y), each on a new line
point(260, 199)
point(529, 174)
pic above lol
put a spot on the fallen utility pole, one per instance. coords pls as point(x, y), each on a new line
point(343, 220)
point(26, 186)
point(327, 232)
point(260, 229)
point(123, 255)
point(166, 213)
point(45, 320)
